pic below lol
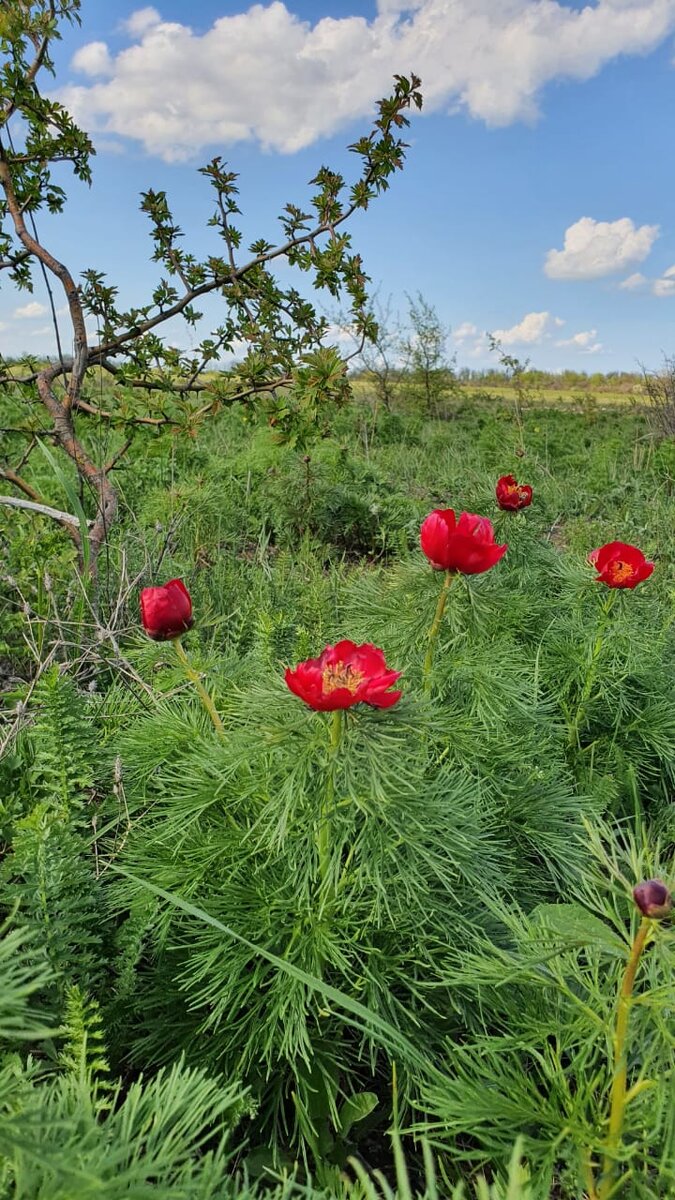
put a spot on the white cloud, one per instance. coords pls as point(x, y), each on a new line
point(533, 328)
point(637, 280)
point(585, 341)
point(465, 331)
point(28, 312)
point(93, 59)
point(596, 248)
point(344, 336)
point(663, 287)
point(141, 21)
point(489, 57)
point(670, 273)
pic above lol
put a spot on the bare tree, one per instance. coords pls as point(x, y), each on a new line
point(660, 391)
point(424, 352)
point(380, 356)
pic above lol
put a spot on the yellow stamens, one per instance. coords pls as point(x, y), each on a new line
point(337, 675)
point(618, 571)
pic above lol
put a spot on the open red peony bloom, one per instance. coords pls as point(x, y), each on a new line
point(345, 674)
point(466, 545)
point(512, 495)
point(620, 565)
point(166, 611)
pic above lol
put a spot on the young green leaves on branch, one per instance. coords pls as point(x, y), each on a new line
point(153, 382)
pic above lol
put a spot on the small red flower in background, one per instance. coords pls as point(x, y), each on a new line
point(620, 565)
point(511, 495)
point(166, 611)
point(345, 674)
point(466, 545)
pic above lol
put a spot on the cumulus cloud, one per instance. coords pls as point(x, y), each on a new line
point(141, 21)
point(464, 332)
point(593, 249)
point(93, 59)
point(634, 281)
point(28, 312)
point(584, 340)
point(665, 286)
point(267, 75)
point(533, 328)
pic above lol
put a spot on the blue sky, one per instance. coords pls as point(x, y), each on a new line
point(536, 201)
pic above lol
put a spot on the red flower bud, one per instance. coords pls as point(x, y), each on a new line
point(345, 674)
point(620, 565)
point(466, 545)
point(511, 495)
point(166, 611)
point(653, 898)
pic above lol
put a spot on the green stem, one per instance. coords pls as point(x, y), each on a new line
point(194, 677)
point(433, 632)
point(323, 834)
point(617, 1104)
point(575, 723)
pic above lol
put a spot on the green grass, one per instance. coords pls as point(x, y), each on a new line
point(450, 969)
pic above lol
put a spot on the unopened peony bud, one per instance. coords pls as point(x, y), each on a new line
point(166, 612)
point(653, 899)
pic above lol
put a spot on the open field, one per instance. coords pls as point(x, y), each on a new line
point(337, 722)
point(251, 941)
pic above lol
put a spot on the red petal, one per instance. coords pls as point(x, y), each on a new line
point(305, 681)
point(368, 659)
point(435, 534)
point(645, 570)
point(384, 699)
point(166, 611)
point(604, 554)
point(472, 557)
point(343, 652)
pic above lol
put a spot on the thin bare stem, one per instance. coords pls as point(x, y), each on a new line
point(323, 835)
point(433, 632)
point(617, 1104)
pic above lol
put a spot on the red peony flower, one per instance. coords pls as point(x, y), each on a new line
point(620, 565)
point(653, 899)
point(166, 611)
point(345, 674)
point(512, 495)
point(466, 545)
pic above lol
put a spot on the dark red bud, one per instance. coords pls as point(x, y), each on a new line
point(653, 899)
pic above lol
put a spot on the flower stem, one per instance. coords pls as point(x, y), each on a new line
point(194, 677)
point(433, 632)
point(576, 722)
point(617, 1104)
point(323, 835)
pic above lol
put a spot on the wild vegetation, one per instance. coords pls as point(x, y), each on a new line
point(341, 866)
